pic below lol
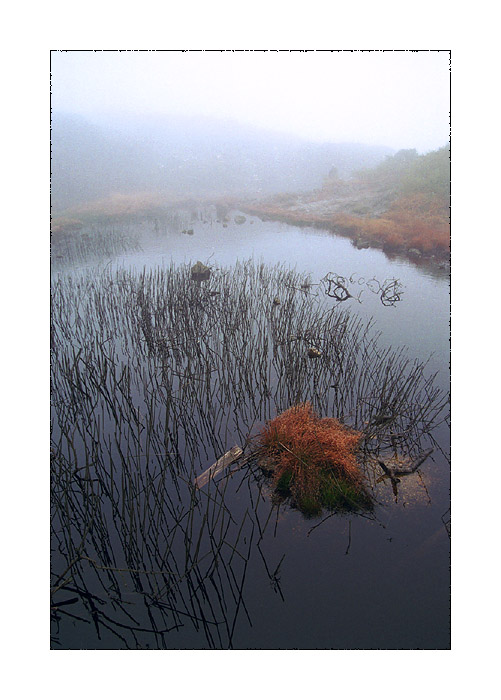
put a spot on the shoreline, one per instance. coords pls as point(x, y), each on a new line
point(437, 258)
point(362, 232)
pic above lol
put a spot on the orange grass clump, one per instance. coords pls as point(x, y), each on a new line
point(304, 449)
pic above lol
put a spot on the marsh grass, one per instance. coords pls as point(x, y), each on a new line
point(153, 377)
point(313, 460)
point(334, 494)
point(101, 233)
point(97, 242)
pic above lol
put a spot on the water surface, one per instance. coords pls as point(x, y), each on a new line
point(341, 581)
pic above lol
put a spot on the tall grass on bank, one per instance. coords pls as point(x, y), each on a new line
point(100, 235)
point(418, 221)
point(92, 243)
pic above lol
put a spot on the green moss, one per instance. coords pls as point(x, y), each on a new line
point(283, 485)
point(334, 494)
point(339, 494)
point(309, 506)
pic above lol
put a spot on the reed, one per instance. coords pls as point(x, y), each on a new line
point(153, 377)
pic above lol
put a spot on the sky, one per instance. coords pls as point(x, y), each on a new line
point(398, 99)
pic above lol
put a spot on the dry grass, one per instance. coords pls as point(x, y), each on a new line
point(119, 204)
point(417, 221)
point(64, 224)
point(311, 456)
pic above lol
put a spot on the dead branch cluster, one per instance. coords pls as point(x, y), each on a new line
point(338, 287)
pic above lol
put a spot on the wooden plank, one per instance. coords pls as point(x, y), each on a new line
point(221, 464)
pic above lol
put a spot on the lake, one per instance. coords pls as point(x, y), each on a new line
point(147, 395)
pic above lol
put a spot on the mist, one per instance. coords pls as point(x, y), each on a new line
point(396, 99)
point(204, 123)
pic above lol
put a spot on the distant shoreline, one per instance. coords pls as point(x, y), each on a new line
point(438, 257)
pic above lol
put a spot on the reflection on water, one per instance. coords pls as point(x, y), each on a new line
point(421, 321)
point(155, 377)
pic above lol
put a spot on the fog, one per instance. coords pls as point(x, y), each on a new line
point(202, 122)
point(397, 99)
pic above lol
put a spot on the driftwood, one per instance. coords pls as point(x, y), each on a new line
point(393, 472)
point(219, 466)
point(337, 289)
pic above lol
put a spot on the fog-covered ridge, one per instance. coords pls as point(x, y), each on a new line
point(189, 156)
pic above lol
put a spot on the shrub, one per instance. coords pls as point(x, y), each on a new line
point(313, 460)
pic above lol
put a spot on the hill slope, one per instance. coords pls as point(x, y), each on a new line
point(188, 157)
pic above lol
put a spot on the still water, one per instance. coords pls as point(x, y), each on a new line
point(345, 581)
point(419, 321)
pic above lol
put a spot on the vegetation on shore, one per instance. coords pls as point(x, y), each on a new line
point(402, 205)
point(121, 207)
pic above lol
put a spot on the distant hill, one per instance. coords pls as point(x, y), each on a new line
point(189, 157)
point(407, 173)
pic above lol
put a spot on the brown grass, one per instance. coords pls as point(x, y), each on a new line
point(416, 221)
point(304, 448)
point(119, 204)
point(64, 224)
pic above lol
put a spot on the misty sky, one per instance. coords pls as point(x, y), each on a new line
point(396, 99)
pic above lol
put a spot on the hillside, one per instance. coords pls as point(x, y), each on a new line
point(192, 157)
point(401, 205)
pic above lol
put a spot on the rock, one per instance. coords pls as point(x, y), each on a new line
point(314, 352)
point(414, 251)
point(276, 301)
point(200, 272)
point(361, 244)
point(240, 219)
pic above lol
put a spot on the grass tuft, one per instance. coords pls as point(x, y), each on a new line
point(314, 460)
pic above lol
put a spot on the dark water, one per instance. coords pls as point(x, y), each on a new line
point(269, 578)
